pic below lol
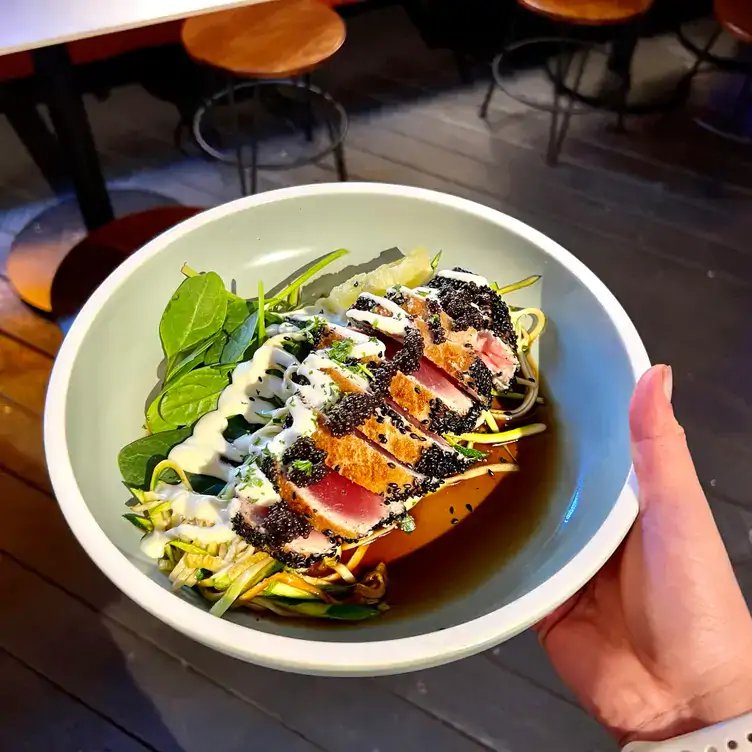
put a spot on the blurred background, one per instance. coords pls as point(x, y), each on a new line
point(622, 134)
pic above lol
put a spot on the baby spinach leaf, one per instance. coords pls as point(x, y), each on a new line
point(206, 484)
point(240, 339)
point(154, 420)
point(196, 311)
point(237, 312)
point(214, 353)
point(194, 395)
point(138, 459)
point(186, 362)
point(238, 426)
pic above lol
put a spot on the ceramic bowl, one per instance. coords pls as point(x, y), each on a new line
point(590, 355)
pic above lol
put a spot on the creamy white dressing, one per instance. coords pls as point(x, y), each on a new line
point(463, 277)
point(215, 513)
point(389, 305)
point(249, 394)
point(394, 326)
point(416, 292)
point(364, 346)
point(254, 390)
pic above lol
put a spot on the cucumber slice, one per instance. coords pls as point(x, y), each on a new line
point(288, 591)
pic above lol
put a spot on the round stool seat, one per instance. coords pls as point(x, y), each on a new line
point(588, 12)
point(736, 17)
point(103, 250)
point(271, 40)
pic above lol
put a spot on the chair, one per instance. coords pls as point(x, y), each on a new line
point(271, 47)
point(735, 17)
point(572, 57)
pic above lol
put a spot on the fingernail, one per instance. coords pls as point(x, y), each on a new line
point(668, 382)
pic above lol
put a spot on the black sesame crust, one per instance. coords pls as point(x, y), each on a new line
point(363, 304)
point(457, 296)
point(304, 449)
point(281, 525)
point(260, 538)
point(268, 467)
point(351, 411)
point(438, 335)
point(443, 419)
point(383, 373)
point(408, 358)
point(481, 380)
point(396, 297)
point(419, 488)
point(441, 463)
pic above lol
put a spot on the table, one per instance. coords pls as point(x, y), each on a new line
point(43, 27)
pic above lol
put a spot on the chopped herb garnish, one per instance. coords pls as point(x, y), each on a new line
point(304, 466)
point(471, 454)
point(406, 524)
point(340, 351)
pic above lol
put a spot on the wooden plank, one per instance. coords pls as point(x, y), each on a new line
point(23, 374)
point(524, 656)
point(304, 703)
point(20, 321)
point(501, 710)
point(482, 161)
point(157, 698)
point(21, 445)
point(37, 715)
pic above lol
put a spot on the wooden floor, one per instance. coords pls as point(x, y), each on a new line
point(661, 213)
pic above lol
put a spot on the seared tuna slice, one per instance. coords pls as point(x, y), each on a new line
point(456, 358)
point(469, 303)
point(433, 399)
point(369, 465)
point(337, 506)
point(281, 532)
point(457, 350)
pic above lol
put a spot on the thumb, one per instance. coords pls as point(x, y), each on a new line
point(679, 539)
point(664, 467)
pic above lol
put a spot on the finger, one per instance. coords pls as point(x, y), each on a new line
point(682, 555)
point(664, 467)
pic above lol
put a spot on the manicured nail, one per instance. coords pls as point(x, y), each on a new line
point(668, 382)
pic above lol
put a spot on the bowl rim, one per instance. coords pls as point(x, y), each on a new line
point(312, 656)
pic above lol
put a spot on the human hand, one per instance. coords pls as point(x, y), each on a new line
point(659, 642)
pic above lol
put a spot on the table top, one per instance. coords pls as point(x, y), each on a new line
point(28, 24)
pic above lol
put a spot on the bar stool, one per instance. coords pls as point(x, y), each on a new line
point(735, 17)
point(569, 14)
point(276, 45)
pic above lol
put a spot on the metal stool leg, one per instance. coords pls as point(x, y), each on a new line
point(558, 133)
point(496, 63)
point(309, 118)
point(253, 168)
point(483, 112)
point(237, 135)
point(339, 154)
point(701, 57)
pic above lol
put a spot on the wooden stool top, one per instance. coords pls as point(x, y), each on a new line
point(589, 12)
point(736, 17)
point(270, 40)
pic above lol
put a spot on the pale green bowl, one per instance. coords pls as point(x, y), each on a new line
point(590, 355)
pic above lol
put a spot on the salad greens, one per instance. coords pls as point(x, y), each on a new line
point(206, 330)
point(138, 459)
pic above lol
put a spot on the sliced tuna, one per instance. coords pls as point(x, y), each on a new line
point(476, 360)
point(281, 532)
point(368, 464)
point(339, 507)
